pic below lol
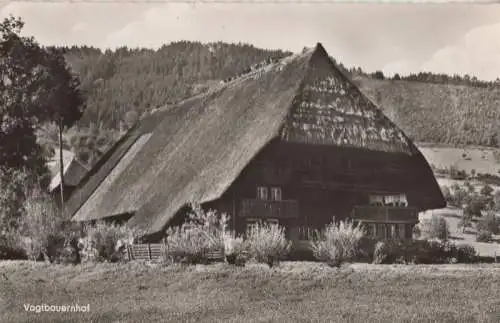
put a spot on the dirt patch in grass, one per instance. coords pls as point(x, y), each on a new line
point(294, 291)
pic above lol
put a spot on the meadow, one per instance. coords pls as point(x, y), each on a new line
point(292, 292)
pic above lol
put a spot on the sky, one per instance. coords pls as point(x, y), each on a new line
point(403, 38)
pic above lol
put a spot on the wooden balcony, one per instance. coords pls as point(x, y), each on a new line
point(385, 214)
point(284, 209)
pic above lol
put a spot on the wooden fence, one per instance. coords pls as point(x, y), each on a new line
point(155, 251)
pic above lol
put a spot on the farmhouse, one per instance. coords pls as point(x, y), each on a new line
point(294, 142)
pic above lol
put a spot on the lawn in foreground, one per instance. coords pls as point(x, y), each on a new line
point(293, 292)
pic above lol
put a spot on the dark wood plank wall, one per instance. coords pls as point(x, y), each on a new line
point(326, 181)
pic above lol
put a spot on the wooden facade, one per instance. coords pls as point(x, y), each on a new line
point(303, 187)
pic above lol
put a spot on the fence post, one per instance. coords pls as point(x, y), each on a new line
point(129, 252)
point(149, 251)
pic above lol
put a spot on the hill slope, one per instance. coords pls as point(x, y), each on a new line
point(439, 113)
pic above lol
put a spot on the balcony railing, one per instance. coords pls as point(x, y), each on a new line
point(306, 233)
point(385, 214)
point(284, 209)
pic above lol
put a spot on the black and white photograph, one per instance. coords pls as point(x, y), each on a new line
point(249, 161)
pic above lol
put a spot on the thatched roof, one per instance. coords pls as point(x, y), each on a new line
point(74, 170)
point(196, 149)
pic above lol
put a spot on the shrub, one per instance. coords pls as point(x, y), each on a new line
point(477, 204)
point(381, 252)
point(486, 190)
point(423, 252)
point(11, 246)
point(13, 186)
point(266, 243)
point(445, 190)
point(484, 236)
point(457, 174)
point(338, 243)
point(104, 242)
point(455, 187)
point(465, 254)
point(466, 219)
point(459, 197)
point(496, 200)
point(470, 188)
point(234, 249)
point(191, 242)
point(42, 225)
point(489, 223)
point(394, 252)
point(435, 228)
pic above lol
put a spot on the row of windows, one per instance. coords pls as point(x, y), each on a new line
point(389, 200)
point(388, 230)
point(251, 223)
point(265, 193)
point(274, 194)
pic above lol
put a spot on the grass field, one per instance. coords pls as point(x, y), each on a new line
point(293, 292)
point(480, 159)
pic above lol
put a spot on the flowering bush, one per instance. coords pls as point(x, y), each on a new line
point(266, 243)
point(104, 242)
point(338, 243)
point(204, 232)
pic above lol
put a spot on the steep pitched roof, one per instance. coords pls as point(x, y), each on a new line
point(196, 149)
point(74, 170)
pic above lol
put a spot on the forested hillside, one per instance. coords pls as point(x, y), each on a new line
point(139, 80)
point(439, 113)
point(121, 85)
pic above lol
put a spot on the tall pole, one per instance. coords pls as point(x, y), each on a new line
point(61, 166)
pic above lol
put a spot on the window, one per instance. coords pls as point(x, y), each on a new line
point(381, 230)
point(371, 230)
point(392, 231)
point(251, 223)
point(376, 200)
point(389, 200)
point(262, 193)
point(401, 231)
point(273, 221)
point(275, 193)
point(409, 231)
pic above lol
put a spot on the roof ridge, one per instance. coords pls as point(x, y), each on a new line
point(260, 67)
point(243, 76)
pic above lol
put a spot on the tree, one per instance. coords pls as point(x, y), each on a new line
point(486, 190)
point(36, 87)
point(489, 223)
point(459, 197)
point(466, 220)
point(496, 200)
point(379, 75)
point(445, 190)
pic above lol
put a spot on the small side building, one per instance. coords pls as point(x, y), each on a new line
point(74, 171)
point(294, 142)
